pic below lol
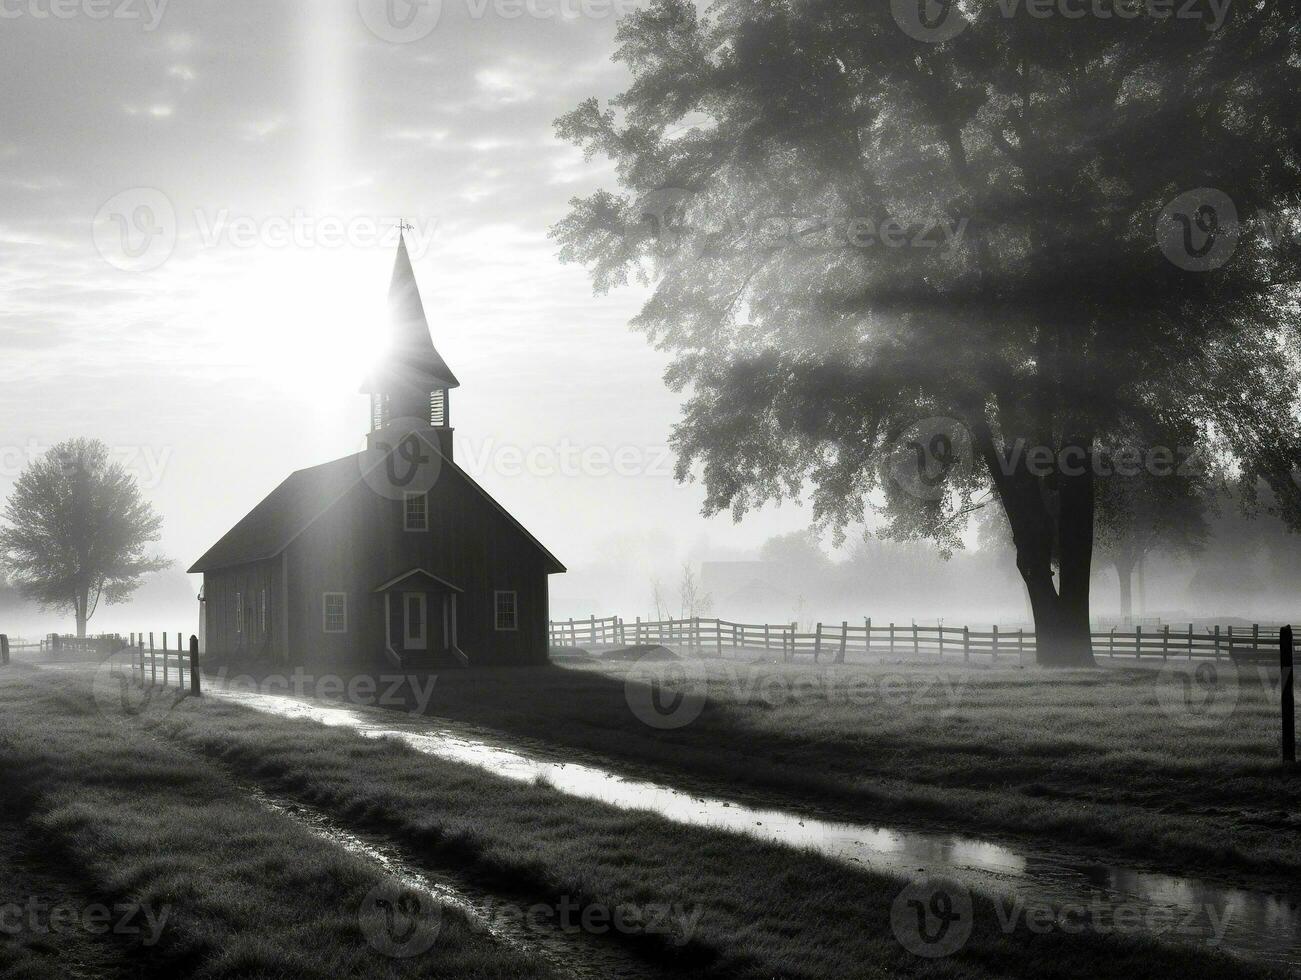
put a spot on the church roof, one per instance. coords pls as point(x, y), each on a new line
point(412, 360)
point(305, 496)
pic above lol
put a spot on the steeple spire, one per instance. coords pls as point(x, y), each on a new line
point(412, 381)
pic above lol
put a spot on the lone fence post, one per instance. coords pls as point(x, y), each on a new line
point(1217, 642)
point(1165, 642)
point(892, 639)
point(794, 627)
point(165, 664)
point(4, 649)
point(1138, 641)
point(995, 645)
point(141, 648)
point(194, 667)
point(844, 635)
point(915, 651)
point(153, 662)
point(817, 644)
point(966, 644)
point(1190, 641)
point(1285, 686)
point(867, 635)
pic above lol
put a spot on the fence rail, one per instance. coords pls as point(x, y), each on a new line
point(147, 656)
point(835, 641)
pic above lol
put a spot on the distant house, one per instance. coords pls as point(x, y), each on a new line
point(393, 555)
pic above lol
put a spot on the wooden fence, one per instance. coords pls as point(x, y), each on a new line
point(150, 660)
point(836, 641)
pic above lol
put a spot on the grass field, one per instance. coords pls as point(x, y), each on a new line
point(108, 815)
point(145, 810)
point(1106, 758)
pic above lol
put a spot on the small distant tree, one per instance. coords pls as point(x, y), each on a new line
point(1143, 514)
point(661, 599)
point(695, 601)
point(77, 531)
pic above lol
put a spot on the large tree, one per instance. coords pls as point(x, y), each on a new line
point(789, 169)
point(77, 530)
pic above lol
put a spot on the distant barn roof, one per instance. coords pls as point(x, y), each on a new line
point(412, 360)
point(288, 511)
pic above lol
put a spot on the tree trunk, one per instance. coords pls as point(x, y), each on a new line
point(1125, 572)
point(1043, 512)
point(82, 603)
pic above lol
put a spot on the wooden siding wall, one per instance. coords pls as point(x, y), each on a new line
point(254, 584)
point(361, 543)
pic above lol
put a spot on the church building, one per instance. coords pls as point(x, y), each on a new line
point(391, 556)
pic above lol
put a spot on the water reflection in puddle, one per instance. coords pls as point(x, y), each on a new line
point(1254, 924)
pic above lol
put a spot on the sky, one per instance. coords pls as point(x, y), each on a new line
point(198, 217)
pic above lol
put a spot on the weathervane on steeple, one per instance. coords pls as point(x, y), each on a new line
point(403, 226)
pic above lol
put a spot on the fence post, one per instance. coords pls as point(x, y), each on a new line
point(1020, 644)
point(817, 643)
point(966, 644)
point(4, 649)
point(765, 636)
point(1138, 641)
point(940, 630)
point(153, 662)
point(995, 643)
point(867, 635)
point(718, 637)
point(892, 639)
point(1111, 645)
point(1230, 642)
point(1255, 637)
point(1165, 642)
point(794, 627)
point(1285, 686)
point(916, 652)
point(1217, 642)
point(844, 637)
point(194, 667)
point(592, 629)
point(1190, 641)
point(165, 664)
